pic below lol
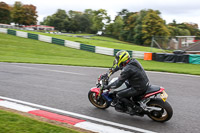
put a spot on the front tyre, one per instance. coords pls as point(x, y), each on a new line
point(164, 114)
point(97, 102)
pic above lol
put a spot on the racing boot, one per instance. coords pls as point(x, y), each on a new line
point(138, 110)
point(114, 102)
point(130, 111)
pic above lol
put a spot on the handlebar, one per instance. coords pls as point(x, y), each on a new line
point(104, 81)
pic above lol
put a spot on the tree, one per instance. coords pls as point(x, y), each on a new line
point(79, 22)
point(59, 20)
point(17, 13)
point(138, 34)
point(30, 15)
point(176, 31)
point(131, 24)
point(98, 19)
point(183, 29)
point(89, 21)
point(153, 25)
point(4, 13)
point(24, 14)
point(138, 27)
point(83, 22)
point(117, 27)
point(192, 27)
point(120, 28)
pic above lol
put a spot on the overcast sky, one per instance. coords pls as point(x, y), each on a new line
point(180, 10)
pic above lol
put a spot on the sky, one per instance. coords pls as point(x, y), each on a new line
point(179, 10)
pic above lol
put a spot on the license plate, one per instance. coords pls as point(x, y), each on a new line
point(164, 96)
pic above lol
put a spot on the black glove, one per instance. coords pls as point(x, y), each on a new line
point(113, 70)
point(104, 76)
point(106, 87)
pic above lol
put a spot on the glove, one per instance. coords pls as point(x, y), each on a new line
point(111, 70)
point(106, 87)
point(104, 75)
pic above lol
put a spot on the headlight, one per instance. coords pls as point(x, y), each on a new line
point(101, 82)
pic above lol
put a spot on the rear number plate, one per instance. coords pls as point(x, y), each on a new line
point(164, 96)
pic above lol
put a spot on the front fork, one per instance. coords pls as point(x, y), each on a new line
point(97, 91)
point(101, 89)
point(100, 92)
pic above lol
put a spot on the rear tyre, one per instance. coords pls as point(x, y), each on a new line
point(164, 114)
point(97, 102)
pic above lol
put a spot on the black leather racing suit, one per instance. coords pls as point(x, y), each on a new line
point(134, 73)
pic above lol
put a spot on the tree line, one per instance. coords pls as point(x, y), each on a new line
point(139, 27)
point(136, 27)
point(89, 21)
point(19, 14)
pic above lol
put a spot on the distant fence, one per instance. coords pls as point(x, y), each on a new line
point(71, 44)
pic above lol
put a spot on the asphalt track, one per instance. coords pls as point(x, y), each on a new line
point(66, 88)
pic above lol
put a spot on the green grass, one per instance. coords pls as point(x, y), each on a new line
point(14, 123)
point(101, 42)
point(183, 68)
point(16, 49)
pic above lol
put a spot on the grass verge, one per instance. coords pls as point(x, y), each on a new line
point(14, 123)
point(16, 49)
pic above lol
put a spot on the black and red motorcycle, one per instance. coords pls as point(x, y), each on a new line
point(157, 108)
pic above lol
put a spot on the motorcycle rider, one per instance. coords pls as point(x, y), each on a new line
point(133, 73)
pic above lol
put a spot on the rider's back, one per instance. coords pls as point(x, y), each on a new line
point(136, 75)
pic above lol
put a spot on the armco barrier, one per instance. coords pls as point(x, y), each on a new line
point(86, 47)
point(194, 59)
point(106, 51)
point(172, 58)
point(159, 57)
point(58, 41)
point(72, 44)
point(22, 34)
point(138, 54)
point(45, 38)
point(184, 58)
point(33, 36)
point(12, 32)
point(2, 30)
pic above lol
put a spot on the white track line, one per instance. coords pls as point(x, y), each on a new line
point(79, 115)
point(167, 73)
point(51, 70)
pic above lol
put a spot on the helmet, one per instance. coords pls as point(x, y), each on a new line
point(121, 57)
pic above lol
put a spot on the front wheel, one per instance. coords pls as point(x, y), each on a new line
point(97, 102)
point(164, 114)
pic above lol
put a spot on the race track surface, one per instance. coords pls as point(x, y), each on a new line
point(66, 88)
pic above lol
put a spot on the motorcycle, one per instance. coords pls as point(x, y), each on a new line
point(156, 108)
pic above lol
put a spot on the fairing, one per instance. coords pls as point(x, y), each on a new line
point(96, 90)
point(123, 86)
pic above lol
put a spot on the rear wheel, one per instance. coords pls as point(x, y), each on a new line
point(165, 112)
point(98, 102)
